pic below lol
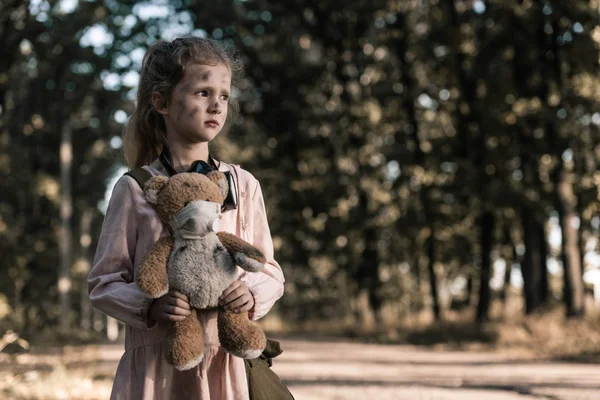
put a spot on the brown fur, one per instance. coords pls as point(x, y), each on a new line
point(236, 245)
point(239, 335)
point(219, 179)
point(185, 343)
point(151, 274)
point(169, 195)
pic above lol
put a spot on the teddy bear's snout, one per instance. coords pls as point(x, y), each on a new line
point(202, 224)
point(196, 219)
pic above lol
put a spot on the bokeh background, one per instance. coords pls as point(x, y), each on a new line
point(430, 167)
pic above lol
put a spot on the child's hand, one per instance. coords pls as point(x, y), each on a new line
point(173, 306)
point(237, 297)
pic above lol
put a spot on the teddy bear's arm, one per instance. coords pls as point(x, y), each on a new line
point(151, 274)
point(245, 255)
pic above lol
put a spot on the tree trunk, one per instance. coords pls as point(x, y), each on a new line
point(583, 233)
point(435, 300)
point(509, 253)
point(418, 303)
point(564, 196)
point(470, 289)
point(85, 232)
point(486, 234)
point(65, 235)
point(530, 267)
point(374, 283)
point(582, 237)
point(573, 293)
point(19, 312)
point(368, 282)
point(544, 282)
point(411, 87)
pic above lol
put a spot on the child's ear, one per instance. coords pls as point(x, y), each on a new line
point(221, 181)
point(153, 187)
point(159, 103)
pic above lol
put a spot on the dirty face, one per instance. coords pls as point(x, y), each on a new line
point(197, 109)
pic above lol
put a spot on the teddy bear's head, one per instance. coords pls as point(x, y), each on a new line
point(170, 195)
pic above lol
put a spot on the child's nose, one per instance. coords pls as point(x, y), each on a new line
point(215, 107)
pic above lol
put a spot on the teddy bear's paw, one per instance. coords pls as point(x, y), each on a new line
point(190, 364)
point(239, 336)
point(247, 263)
point(247, 353)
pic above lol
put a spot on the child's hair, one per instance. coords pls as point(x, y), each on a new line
point(162, 69)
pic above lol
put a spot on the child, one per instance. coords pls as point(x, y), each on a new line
point(183, 102)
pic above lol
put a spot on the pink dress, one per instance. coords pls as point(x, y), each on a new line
point(130, 229)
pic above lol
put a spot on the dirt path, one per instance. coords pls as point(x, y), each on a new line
point(328, 370)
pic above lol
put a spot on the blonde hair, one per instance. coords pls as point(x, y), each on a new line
point(163, 67)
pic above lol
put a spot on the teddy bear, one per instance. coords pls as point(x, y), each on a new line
point(200, 262)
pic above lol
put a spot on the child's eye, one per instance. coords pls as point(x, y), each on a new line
point(225, 97)
point(202, 93)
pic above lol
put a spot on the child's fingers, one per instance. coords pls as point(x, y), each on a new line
point(171, 313)
point(239, 304)
point(241, 290)
point(178, 302)
point(179, 295)
point(174, 310)
point(232, 296)
point(175, 318)
point(229, 300)
point(246, 307)
point(234, 286)
point(171, 307)
point(166, 316)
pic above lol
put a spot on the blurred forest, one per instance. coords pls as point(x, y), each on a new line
point(418, 158)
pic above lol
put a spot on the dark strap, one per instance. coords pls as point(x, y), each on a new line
point(140, 175)
point(166, 161)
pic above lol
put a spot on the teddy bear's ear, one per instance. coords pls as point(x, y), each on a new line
point(153, 186)
point(221, 181)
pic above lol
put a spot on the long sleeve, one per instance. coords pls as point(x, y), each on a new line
point(265, 286)
point(111, 281)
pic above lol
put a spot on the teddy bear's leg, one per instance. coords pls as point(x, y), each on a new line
point(185, 343)
point(151, 274)
point(240, 336)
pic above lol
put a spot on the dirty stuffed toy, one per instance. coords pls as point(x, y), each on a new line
point(199, 262)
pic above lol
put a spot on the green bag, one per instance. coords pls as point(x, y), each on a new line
point(263, 383)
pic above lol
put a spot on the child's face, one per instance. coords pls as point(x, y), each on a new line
point(198, 105)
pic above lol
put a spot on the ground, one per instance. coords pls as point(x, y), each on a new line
point(329, 370)
point(341, 370)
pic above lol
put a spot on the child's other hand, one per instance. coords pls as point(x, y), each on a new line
point(237, 297)
point(173, 306)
